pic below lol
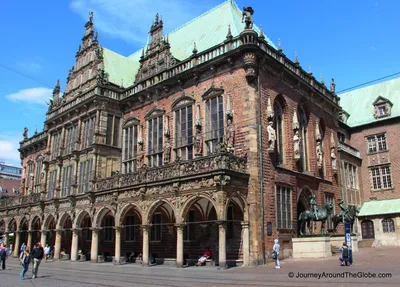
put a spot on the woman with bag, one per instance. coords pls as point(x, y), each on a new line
point(24, 259)
point(275, 253)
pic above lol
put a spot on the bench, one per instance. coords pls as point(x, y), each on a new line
point(64, 257)
point(121, 260)
point(82, 257)
point(100, 259)
point(165, 261)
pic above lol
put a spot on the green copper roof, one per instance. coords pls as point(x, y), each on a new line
point(121, 70)
point(358, 103)
point(207, 30)
point(377, 207)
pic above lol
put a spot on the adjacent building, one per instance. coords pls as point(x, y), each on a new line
point(10, 172)
point(369, 144)
point(208, 136)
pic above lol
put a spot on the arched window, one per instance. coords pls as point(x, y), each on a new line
point(278, 126)
point(303, 122)
point(388, 225)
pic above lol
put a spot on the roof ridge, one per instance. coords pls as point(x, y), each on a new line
point(205, 13)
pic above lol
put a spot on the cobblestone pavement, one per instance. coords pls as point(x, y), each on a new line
point(369, 261)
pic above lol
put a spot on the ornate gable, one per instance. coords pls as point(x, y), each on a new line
point(157, 56)
point(182, 101)
point(154, 113)
point(131, 121)
point(213, 92)
point(382, 107)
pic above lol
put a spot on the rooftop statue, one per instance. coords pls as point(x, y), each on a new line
point(247, 17)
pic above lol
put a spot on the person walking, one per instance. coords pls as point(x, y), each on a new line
point(24, 259)
point(37, 256)
point(46, 252)
point(3, 256)
point(275, 253)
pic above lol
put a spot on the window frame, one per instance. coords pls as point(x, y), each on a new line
point(214, 121)
point(130, 145)
point(330, 198)
point(381, 177)
point(377, 143)
point(155, 133)
point(388, 225)
point(286, 209)
point(186, 141)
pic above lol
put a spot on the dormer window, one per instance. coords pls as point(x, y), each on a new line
point(382, 107)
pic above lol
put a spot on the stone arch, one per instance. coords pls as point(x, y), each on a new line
point(12, 225)
point(124, 210)
point(80, 217)
point(23, 224)
point(63, 220)
point(33, 220)
point(47, 222)
point(2, 226)
point(156, 204)
point(238, 199)
point(188, 204)
point(100, 215)
point(35, 227)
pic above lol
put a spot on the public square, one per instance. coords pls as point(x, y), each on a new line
point(66, 273)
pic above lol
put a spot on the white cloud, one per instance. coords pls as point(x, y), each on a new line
point(131, 20)
point(33, 95)
point(9, 149)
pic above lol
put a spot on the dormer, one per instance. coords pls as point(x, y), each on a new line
point(382, 107)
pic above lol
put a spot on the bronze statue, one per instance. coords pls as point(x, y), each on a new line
point(247, 17)
point(319, 214)
point(314, 207)
point(347, 214)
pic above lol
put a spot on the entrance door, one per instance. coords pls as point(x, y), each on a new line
point(367, 227)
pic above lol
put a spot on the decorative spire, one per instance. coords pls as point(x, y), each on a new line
point(296, 59)
point(91, 17)
point(309, 70)
point(279, 45)
point(261, 36)
point(229, 35)
point(333, 86)
point(322, 80)
point(194, 49)
point(57, 88)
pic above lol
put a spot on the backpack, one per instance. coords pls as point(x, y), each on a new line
point(345, 253)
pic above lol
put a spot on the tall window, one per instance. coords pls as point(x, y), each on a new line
point(70, 138)
point(85, 172)
point(130, 228)
point(39, 167)
point(108, 228)
point(189, 231)
point(55, 145)
point(388, 225)
point(278, 126)
point(381, 177)
point(52, 184)
point(156, 227)
point(112, 137)
point(184, 132)
point(303, 122)
point(284, 207)
point(155, 141)
point(214, 122)
point(30, 169)
point(130, 148)
point(88, 131)
point(376, 143)
point(67, 181)
point(329, 199)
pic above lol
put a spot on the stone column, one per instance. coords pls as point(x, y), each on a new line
point(179, 245)
point(94, 250)
point(246, 243)
point(43, 237)
point(29, 242)
point(222, 245)
point(57, 248)
point(74, 244)
point(16, 243)
point(145, 251)
point(117, 257)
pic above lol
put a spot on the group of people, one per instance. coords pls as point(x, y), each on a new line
point(35, 256)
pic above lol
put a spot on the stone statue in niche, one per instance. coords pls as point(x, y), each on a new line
point(198, 143)
point(271, 137)
point(319, 154)
point(230, 136)
point(167, 151)
point(333, 158)
point(296, 141)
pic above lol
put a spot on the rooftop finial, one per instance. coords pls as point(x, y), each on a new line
point(279, 45)
point(91, 16)
point(322, 80)
point(333, 86)
point(229, 35)
point(157, 18)
point(261, 33)
point(296, 58)
point(194, 49)
point(142, 53)
point(309, 70)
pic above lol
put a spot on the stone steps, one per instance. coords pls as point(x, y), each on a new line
point(365, 243)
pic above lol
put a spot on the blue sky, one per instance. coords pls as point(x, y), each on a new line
point(351, 41)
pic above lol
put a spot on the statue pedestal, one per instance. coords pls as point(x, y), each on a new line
point(312, 247)
point(337, 242)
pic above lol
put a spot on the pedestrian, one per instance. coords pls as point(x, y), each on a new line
point(24, 259)
point(37, 256)
point(275, 253)
point(22, 247)
point(47, 252)
point(3, 256)
point(344, 257)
